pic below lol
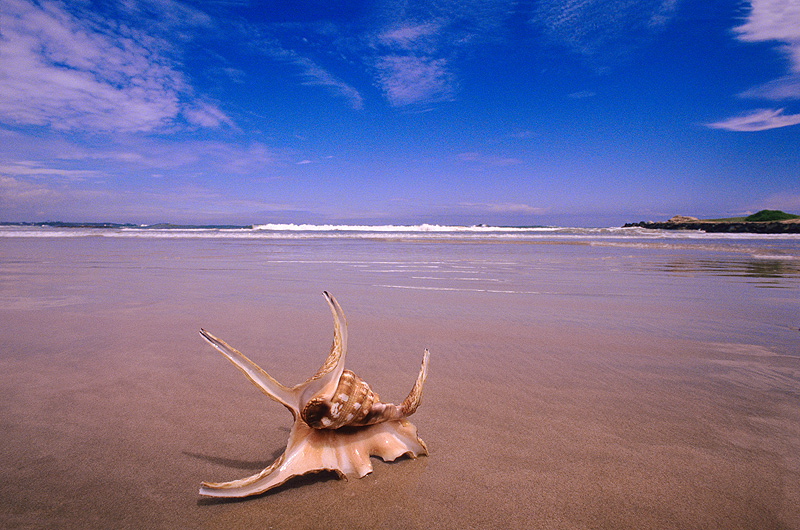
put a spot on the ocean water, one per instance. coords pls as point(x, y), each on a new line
point(725, 287)
point(412, 251)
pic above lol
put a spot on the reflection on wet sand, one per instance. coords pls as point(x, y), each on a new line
point(778, 273)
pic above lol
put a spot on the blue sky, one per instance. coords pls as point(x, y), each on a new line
point(569, 112)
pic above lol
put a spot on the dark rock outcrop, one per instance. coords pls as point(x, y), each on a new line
point(757, 227)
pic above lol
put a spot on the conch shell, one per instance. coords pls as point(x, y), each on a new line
point(339, 422)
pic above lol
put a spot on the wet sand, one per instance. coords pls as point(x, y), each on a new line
point(592, 404)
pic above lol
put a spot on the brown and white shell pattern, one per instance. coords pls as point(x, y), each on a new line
point(339, 422)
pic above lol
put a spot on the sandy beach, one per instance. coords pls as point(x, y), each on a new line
point(591, 387)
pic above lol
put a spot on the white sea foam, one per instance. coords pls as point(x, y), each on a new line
point(632, 236)
point(758, 255)
point(425, 228)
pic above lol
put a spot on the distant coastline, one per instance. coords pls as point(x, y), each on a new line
point(158, 226)
point(763, 222)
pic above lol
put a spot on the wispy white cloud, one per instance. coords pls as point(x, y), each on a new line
point(22, 199)
point(781, 89)
point(483, 160)
point(76, 71)
point(15, 192)
point(191, 157)
point(411, 50)
point(313, 74)
point(414, 50)
point(757, 120)
point(602, 31)
point(775, 21)
point(411, 66)
point(30, 169)
point(583, 94)
point(663, 12)
point(408, 80)
point(503, 208)
point(139, 161)
point(412, 36)
point(171, 17)
point(205, 114)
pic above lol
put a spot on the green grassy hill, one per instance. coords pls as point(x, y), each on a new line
point(763, 215)
point(771, 215)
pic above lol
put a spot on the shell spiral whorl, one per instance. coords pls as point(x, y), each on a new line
point(350, 405)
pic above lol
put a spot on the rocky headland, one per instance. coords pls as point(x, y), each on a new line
point(763, 222)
